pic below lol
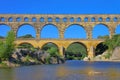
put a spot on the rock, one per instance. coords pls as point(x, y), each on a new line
point(27, 57)
point(98, 58)
point(53, 60)
point(86, 59)
point(116, 54)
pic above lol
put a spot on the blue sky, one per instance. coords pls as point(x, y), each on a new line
point(59, 7)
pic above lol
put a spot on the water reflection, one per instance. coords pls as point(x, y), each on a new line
point(6, 74)
point(71, 70)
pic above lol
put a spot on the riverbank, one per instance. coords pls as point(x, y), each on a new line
point(7, 64)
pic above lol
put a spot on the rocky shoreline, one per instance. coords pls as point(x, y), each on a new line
point(24, 57)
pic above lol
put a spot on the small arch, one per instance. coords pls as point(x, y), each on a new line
point(71, 19)
point(93, 19)
point(64, 19)
point(100, 30)
point(10, 19)
point(100, 49)
point(50, 31)
point(115, 19)
point(78, 19)
point(34, 19)
point(57, 19)
point(2, 19)
point(75, 31)
point(100, 19)
point(42, 19)
point(18, 19)
point(108, 19)
point(76, 50)
point(50, 19)
point(26, 19)
point(26, 29)
point(86, 19)
point(4, 29)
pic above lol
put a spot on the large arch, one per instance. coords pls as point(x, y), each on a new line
point(49, 31)
point(4, 29)
point(26, 29)
point(100, 49)
point(117, 30)
point(100, 31)
point(75, 31)
point(51, 48)
point(77, 50)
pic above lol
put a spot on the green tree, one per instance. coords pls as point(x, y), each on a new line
point(26, 36)
point(53, 52)
point(103, 37)
point(113, 42)
point(76, 51)
point(7, 47)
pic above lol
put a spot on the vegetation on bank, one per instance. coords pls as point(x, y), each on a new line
point(108, 45)
point(112, 44)
point(27, 54)
point(75, 51)
point(7, 47)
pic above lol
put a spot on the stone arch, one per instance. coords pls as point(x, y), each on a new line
point(100, 48)
point(49, 43)
point(80, 27)
point(4, 28)
point(25, 26)
point(106, 27)
point(78, 43)
point(79, 54)
point(56, 29)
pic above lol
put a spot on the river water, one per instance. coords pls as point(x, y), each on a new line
point(71, 70)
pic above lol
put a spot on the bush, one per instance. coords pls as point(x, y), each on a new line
point(107, 56)
point(7, 47)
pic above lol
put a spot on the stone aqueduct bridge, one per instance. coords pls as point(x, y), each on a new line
point(61, 22)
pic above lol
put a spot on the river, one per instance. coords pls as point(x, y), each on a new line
point(71, 70)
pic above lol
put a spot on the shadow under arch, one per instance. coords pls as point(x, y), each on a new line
point(29, 30)
point(100, 31)
point(4, 29)
point(75, 31)
point(100, 48)
point(76, 50)
point(47, 30)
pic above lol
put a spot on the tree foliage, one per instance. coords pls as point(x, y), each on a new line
point(53, 52)
point(103, 37)
point(113, 42)
point(1, 37)
point(76, 51)
point(26, 36)
point(7, 46)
